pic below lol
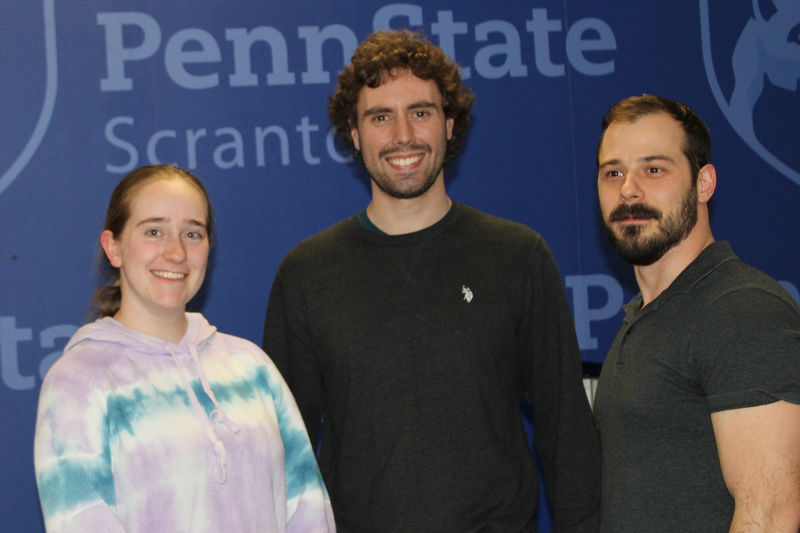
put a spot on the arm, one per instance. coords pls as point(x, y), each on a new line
point(307, 501)
point(749, 339)
point(72, 464)
point(288, 344)
point(759, 451)
point(566, 437)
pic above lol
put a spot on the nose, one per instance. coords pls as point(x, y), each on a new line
point(403, 130)
point(630, 189)
point(175, 250)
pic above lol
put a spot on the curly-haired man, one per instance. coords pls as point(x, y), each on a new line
point(417, 326)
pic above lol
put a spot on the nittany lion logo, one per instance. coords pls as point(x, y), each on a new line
point(761, 66)
point(25, 122)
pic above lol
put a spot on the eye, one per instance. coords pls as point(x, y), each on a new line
point(654, 170)
point(194, 235)
point(421, 114)
point(380, 118)
point(153, 232)
point(614, 173)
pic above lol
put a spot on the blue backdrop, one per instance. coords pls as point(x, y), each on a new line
point(237, 92)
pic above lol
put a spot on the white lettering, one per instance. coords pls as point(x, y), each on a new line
point(243, 41)
point(235, 145)
point(116, 52)
point(113, 140)
point(192, 136)
point(176, 57)
point(227, 148)
point(315, 73)
point(47, 338)
point(330, 145)
point(283, 139)
point(383, 17)
point(541, 27)
point(305, 128)
point(585, 315)
point(195, 60)
point(10, 338)
point(446, 30)
point(510, 49)
point(577, 44)
point(154, 140)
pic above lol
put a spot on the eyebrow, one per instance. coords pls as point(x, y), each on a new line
point(645, 159)
point(423, 104)
point(161, 220)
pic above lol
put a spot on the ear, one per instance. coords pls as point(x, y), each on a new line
point(354, 135)
point(706, 183)
point(449, 125)
point(111, 248)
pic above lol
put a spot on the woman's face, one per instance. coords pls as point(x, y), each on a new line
point(163, 250)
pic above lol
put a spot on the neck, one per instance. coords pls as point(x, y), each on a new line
point(397, 216)
point(654, 279)
point(170, 327)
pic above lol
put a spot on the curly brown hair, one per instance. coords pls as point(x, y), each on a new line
point(387, 53)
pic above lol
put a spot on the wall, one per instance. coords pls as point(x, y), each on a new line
point(237, 92)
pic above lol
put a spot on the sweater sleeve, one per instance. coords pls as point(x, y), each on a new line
point(564, 431)
point(72, 455)
point(308, 504)
point(288, 343)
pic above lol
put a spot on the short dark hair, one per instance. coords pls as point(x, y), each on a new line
point(697, 143)
point(389, 53)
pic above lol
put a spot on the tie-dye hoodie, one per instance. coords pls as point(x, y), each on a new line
point(138, 434)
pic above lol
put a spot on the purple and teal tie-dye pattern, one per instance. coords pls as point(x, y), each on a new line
point(137, 434)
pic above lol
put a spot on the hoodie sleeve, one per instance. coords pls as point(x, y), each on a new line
point(72, 455)
point(307, 501)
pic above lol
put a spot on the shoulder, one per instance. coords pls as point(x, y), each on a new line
point(319, 246)
point(80, 371)
point(233, 344)
point(342, 231)
point(736, 285)
point(742, 313)
point(496, 229)
point(238, 350)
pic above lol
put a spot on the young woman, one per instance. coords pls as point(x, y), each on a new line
point(152, 420)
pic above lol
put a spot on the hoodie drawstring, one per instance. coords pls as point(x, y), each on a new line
point(217, 415)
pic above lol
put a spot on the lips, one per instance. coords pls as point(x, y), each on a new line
point(405, 161)
point(168, 275)
point(405, 157)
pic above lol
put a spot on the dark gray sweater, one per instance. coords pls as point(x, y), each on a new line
point(417, 350)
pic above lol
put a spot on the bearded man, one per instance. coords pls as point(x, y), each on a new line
point(697, 403)
point(416, 327)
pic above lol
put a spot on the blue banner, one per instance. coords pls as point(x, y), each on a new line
point(237, 93)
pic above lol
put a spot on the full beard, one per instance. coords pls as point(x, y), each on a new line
point(642, 251)
point(412, 189)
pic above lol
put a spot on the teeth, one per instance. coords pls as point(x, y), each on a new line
point(404, 161)
point(169, 275)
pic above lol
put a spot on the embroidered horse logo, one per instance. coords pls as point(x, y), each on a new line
point(467, 292)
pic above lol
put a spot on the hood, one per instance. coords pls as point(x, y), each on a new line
point(107, 329)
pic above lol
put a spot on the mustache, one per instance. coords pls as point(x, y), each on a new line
point(634, 211)
point(405, 148)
